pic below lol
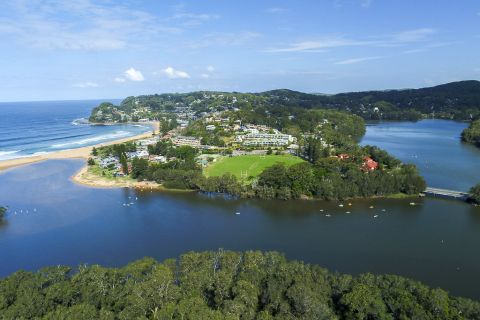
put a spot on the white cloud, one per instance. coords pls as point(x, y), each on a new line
point(97, 25)
point(366, 3)
point(224, 39)
point(413, 35)
point(194, 16)
point(134, 75)
point(320, 45)
point(87, 84)
point(414, 51)
point(119, 79)
point(357, 60)
point(175, 74)
point(210, 68)
point(325, 43)
point(205, 75)
point(276, 10)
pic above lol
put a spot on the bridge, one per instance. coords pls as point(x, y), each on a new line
point(444, 193)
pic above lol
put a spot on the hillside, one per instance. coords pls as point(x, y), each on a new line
point(456, 100)
point(222, 285)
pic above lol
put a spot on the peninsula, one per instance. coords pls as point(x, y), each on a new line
point(246, 146)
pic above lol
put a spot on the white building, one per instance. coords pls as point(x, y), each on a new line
point(265, 139)
point(186, 141)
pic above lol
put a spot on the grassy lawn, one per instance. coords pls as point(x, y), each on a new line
point(245, 166)
point(107, 174)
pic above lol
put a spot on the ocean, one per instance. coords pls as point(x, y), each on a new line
point(34, 128)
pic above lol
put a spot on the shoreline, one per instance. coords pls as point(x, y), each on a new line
point(77, 153)
point(88, 179)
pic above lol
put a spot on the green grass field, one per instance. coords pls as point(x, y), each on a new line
point(245, 166)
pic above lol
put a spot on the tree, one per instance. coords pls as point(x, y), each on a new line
point(94, 152)
point(124, 163)
point(139, 168)
point(91, 162)
point(475, 194)
point(3, 211)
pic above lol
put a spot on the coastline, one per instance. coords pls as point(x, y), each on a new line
point(77, 153)
point(88, 179)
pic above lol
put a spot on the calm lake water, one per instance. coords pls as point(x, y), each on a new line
point(58, 222)
point(32, 128)
point(434, 146)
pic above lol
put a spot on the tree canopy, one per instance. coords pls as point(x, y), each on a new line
point(222, 285)
point(3, 211)
point(472, 133)
point(475, 194)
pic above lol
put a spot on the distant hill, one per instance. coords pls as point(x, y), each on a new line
point(456, 100)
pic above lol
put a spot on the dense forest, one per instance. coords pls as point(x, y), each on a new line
point(474, 194)
point(222, 285)
point(456, 100)
point(472, 133)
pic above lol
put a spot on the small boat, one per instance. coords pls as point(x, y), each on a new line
point(237, 213)
point(371, 207)
point(327, 215)
point(321, 210)
point(340, 205)
point(350, 204)
point(412, 203)
point(348, 212)
point(384, 210)
point(375, 216)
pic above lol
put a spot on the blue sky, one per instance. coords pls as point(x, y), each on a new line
point(85, 49)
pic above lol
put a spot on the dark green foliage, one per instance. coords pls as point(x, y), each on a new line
point(3, 212)
point(475, 194)
point(222, 285)
point(472, 133)
point(331, 178)
point(456, 100)
point(139, 168)
point(91, 162)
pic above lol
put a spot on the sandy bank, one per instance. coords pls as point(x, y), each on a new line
point(86, 178)
point(81, 153)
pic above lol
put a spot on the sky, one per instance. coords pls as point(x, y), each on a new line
point(94, 49)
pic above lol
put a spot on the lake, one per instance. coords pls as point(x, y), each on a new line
point(434, 146)
point(54, 221)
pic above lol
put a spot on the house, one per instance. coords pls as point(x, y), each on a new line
point(108, 161)
point(210, 127)
point(158, 159)
point(343, 156)
point(369, 164)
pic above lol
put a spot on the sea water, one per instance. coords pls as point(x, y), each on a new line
point(34, 128)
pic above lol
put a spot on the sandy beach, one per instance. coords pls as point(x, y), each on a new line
point(78, 153)
point(86, 178)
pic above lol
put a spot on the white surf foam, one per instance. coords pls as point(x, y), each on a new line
point(7, 155)
point(111, 136)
